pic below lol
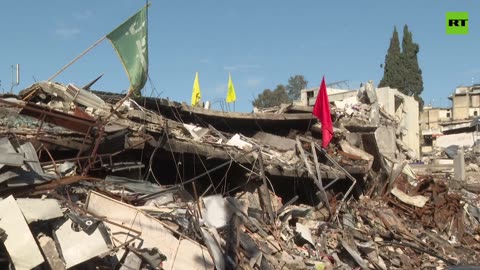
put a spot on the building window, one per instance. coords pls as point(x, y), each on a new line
point(475, 113)
point(309, 97)
point(428, 140)
point(448, 115)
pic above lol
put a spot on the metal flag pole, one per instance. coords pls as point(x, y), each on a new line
point(78, 57)
point(87, 50)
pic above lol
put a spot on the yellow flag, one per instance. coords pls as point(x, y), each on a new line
point(196, 96)
point(231, 97)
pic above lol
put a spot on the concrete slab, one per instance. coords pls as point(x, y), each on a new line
point(237, 141)
point(459, 166)
point(385, 137)
point(460, 139)
point(191, 255)
point(418, 200)
point(50, 251)
point(39, 209)
point(196, 131)
point(78, 247)
point(20, 244)
point(154, 233)
point(214, 249)
point(443, 161)
point(280, 143)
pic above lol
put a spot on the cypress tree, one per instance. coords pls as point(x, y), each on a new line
point(393, 68)
point(413, 80)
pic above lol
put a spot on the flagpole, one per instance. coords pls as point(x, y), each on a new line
point(76, 58)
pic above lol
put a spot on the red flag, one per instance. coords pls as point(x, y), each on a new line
point(322, 111)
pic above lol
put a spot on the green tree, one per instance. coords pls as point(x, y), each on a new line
point(413, 74)
point(295, 85)
point(393, 69)
point(401, 70)
point(269, 98)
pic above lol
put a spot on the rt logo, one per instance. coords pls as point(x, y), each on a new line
point(457, 23)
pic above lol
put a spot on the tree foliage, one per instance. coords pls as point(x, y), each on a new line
point(413, 73)
point(295, 85)
point(269, 98)
point(401, 69)
point(393, 69)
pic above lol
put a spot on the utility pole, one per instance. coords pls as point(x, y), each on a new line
point(15, 76)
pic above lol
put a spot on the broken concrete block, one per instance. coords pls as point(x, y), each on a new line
point(191, 255)
point(459, 166)
point(305, 233)
point(460, 139)
point(418, 200)
point(375, 114)
point(278, 142)
point(354, 139)
point(196, 131)
point(73, 244)
point(355, 254)
point(348, 148)
point(214, 249)
point(237, 141)
point(72, 93)
point(50, 251)
point(20, 244)
point(473, 167)
point(385, 138)
point(132, 262)
point(154, 233)
point(292, 261)
point(39, 209)
point(217, 212)
point(370, 91)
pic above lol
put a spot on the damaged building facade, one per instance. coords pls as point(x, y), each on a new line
point(402, 107)
point(94, 180)
point(444, 127)
point(431, 120)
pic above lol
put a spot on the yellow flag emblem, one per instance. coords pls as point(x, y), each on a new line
point(231, 97)
point(196, 96)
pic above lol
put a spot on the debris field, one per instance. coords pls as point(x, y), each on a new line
point(92, 180)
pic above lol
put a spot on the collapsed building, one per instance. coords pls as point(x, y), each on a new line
point(92, 180)
point(403, 108)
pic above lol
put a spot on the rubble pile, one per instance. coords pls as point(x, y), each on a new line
point(88, 183)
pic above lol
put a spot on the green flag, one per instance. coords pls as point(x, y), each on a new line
point(130, 42)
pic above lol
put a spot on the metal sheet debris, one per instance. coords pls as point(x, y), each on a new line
point(8, 155)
